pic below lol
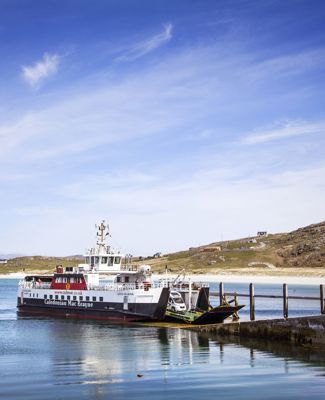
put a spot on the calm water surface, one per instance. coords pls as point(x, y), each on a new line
point(65, 359)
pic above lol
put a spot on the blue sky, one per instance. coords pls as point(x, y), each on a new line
point(179, 122)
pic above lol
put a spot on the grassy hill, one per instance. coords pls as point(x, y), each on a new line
point(37, 263)
point(301, 252)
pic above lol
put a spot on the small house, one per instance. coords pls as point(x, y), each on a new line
point(262, 234)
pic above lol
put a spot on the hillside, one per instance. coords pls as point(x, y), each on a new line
point(37, 263)
point(301, 252)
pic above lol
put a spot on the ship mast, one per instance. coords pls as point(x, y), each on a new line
point(102, 232)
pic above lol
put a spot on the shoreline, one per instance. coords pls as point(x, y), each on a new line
point(262, 279)
point(266, 279)
point(225, 278)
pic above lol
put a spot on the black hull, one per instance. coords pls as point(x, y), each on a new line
point(214, 316)
point(100, 310)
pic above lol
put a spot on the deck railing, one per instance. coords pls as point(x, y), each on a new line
point(34, 285)
point(106, 287)
point(126, 286)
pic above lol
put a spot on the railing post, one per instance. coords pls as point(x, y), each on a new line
point(221, 293)
point(251, 302)
point(322, 308)
point(236, 299)
point(285, 301)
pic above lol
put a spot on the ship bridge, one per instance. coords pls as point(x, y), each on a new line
point(102, 258)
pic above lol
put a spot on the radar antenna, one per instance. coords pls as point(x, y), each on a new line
point(102, 230)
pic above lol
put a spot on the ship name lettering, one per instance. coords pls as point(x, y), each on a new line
point(69, 303)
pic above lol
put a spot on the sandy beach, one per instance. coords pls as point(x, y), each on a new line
point(234, 278)
point(13, 275)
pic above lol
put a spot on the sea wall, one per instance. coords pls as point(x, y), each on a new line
point(302, 330)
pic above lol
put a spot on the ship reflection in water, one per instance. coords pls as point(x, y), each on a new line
point(51, 359)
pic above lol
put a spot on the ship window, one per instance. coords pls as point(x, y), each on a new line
point(81, 298)
point(87, 260)
point(33, 294)
point(64, 280)
point(126, 279)
point(62, 297)
point(96, 260)
point(94, 298)
point(58, 280)
point(118, 279)
point(92, 260)
point(74, 297)
point(56, 297)
point(68, 297)
point(87, 298)
point(117, 260)
point(110, 260)
point(51, 297)
point(100, 299)
point(104, 260)
point(45, 296)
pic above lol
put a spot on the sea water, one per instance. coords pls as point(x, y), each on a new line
point(47, 358)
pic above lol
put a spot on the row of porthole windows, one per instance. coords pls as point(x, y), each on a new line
point(30, 295)
point(81, 298)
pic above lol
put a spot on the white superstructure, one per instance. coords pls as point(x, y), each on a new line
point(102, 258)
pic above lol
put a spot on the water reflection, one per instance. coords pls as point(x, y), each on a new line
point(80, 359)
point(104, 354)
point(306, 354)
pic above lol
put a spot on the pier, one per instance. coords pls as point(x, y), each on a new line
point(252, 296)
point(306, 330)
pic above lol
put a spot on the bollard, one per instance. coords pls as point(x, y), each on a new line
point(251, 302)
point(322, 308)
point(221, 293)
point(285, 301)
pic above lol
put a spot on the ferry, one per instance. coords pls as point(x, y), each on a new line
point(85, 292)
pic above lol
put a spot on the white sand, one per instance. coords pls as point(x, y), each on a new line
point(293, 280)
point(13, 275)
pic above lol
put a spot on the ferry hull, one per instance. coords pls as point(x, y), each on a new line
point(100, 311)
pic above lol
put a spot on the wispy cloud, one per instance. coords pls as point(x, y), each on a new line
point(286, 130)
point(35, 74)
point(144, 47)
point(289, 64)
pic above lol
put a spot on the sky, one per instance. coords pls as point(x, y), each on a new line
point(180, 122)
